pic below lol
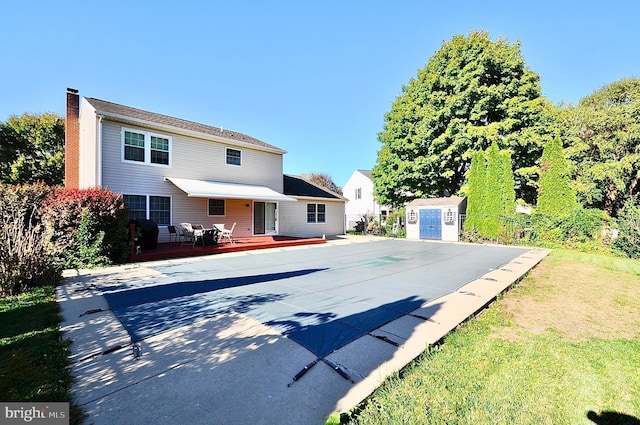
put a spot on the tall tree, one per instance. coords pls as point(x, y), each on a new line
point(325, 180)
point(603, 135)
point(556, 196)
point(490, 191)
point(32, 149)
point(477, 177)
point(507, 185)
point(471, 92)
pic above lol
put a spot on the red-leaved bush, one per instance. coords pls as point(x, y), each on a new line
point(85, 221)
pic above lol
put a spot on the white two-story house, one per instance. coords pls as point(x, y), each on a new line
point(359, 192)
point(171, 170)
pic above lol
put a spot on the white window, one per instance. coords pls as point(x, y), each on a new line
point(412, 218)
point(234, 157)
point(155, 208)
point(449, 216)
point(316, 213)
point(359, 193)
point(216, 207)
point(146, 148)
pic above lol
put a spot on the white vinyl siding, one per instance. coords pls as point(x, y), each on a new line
point(191, 158)
point(89, 167)
point(292, 219)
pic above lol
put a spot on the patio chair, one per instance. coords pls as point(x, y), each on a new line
point(228, 233)
point(188, 233)
point(198, 233)
point(175, 233)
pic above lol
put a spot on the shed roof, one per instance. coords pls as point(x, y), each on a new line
point(435, 202)
point(116, 110)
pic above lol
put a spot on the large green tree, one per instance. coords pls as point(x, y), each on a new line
point(32, 149)
point(603, 135)
point(472, 92)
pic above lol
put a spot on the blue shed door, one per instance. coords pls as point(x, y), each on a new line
point(430, 224)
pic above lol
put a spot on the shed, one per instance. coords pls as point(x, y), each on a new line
point(435, 218)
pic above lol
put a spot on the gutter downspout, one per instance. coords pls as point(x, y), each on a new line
point(99, 159)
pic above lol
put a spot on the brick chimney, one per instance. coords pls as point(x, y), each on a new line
point(72, 141)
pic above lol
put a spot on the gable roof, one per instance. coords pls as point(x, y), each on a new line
point(434, 202)
point(122, 112)
point(299, 186)
point(366, 173)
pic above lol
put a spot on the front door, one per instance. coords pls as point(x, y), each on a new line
point(265, 218)
point(430, 224)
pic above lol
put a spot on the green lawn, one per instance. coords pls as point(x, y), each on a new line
point(33, 352)
point(562, 347)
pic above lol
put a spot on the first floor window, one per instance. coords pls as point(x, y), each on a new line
point(155, 208)
point(316, 213)
point(216, 207)
point(160, 209)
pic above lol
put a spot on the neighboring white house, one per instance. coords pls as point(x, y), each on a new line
point(172, 170)
point(435, 218)
point(359, 192)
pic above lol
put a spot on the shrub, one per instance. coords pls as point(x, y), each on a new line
point(578, 229)
point(397, 218)
point(628, 240)
point(26, 258)
point(89, 226)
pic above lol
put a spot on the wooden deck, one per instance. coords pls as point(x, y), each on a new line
point(178, 250)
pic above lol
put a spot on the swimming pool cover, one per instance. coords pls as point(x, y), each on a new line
point(321, 297)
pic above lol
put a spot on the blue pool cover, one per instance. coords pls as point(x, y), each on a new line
point(321, 297)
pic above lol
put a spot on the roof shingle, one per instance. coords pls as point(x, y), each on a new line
point(103, 106)
point(298, 186)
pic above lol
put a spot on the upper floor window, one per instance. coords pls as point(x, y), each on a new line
point(234, 156)
point(359, 193)
point(159, 150)
point(133, 146)
point(146, 148)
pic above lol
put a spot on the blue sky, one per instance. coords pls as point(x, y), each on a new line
point(313, 78)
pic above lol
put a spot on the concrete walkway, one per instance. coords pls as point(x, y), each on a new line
point(232, 369)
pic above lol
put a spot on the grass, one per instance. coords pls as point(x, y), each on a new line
point(33, 352)
point(563, 347)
